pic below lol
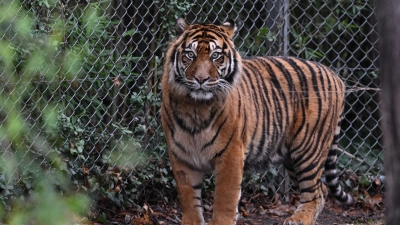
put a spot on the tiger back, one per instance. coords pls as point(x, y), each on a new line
point(222, 114)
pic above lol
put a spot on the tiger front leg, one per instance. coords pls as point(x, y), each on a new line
point(189, 184)
point(228, 172)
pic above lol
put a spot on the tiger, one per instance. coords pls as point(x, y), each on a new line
point(224, 114)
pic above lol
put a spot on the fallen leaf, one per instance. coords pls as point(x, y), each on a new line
point(116, 81)
point(281, 210)
point(376, 200)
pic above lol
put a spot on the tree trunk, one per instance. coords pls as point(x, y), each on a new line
point(388, 12)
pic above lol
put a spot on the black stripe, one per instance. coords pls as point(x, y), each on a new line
point(244, 124)
point(328, 80)
point(197, 126)
point(190, 166)
point(197, 186)
point(317, 141)
point(254, 96)
point(276, 91)
point(303, 122)
point(305, 143)
point(172, 56)
point(170, 127)
point(316, 90)
point(215, 135)
point(319, 99)
point(239, 103)
point(330, 166)
point(207, 34)
point(243, 89)
point(180, 146)
point(230, 77)
point(260, 147)
point(310, 189)
point(287, 75)
point(312, 200)
point(219, 154)
point(311, 168)
point(330, 177)
point(321, 77)
point(309, 177)
point(301, 76)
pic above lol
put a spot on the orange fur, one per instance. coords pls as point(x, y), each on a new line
point(222, 113)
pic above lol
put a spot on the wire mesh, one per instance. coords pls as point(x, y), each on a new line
point(109, 109)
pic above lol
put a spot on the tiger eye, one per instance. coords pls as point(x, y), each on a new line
point(215, 55)
point(190, 54)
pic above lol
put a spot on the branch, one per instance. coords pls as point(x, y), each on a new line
point(355, 157)
point(355, 89)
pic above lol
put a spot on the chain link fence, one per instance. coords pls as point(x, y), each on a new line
point(103, 91)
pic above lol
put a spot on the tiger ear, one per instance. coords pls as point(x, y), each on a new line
point(229, 27)
point(180, 26)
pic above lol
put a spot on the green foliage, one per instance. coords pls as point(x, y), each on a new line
point(256, 182)
point(81, 135)
point(46, 206)
point(331, 32)
point(31, 182)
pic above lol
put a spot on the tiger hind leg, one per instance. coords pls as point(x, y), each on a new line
point(307, 212)
point(312, 196)
point(295, 183)
point(307, 171)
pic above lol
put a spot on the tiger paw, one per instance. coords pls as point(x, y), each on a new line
point(192, 221)
point(304, 215)
point(295, 221)
point(223, 221)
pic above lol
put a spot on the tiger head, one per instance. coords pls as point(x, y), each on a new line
point(202, 62)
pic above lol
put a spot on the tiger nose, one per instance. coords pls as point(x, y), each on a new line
point(201, 79)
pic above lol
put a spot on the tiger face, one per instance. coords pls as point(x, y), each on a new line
point(205, 66)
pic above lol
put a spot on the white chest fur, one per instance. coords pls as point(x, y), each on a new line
point(194, 148)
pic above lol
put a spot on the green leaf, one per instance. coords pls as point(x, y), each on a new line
point(102, 218)
point(130, 32)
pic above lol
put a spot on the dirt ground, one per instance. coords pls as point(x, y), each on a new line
point(254, 209)
point(250, 214)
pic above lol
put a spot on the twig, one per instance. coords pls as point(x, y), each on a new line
point(355, 89)
point(351, 155)
point(355, 157)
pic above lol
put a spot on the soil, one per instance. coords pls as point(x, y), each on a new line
point(250, 214)
point(254, 209)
